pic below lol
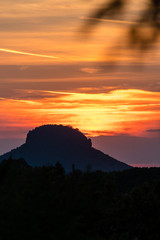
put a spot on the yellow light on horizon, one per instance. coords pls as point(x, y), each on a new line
point(119, 111)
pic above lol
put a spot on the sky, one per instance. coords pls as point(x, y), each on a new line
point(51, 72)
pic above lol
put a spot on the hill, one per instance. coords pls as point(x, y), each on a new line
point(48, 144)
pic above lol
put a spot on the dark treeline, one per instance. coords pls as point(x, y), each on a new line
point(45, 203)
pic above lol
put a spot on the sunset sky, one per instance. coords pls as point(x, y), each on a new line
point(52, 73)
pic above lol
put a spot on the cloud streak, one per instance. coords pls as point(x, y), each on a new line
point(153, 130)
point(93, 113)
point(107, 20)
point(27, 53)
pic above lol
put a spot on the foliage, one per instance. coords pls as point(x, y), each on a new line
point(46, 203)
point(142, 33)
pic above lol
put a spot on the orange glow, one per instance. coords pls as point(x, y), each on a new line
point(46, 34)
point(128, 111)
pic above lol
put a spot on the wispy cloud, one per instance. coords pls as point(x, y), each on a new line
point(90, 70)
point(27, 53)
point(153, 130)
point(107, 20)
point(94, 113)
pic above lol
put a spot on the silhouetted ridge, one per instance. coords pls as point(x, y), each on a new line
point(48, 144)
point(57, 136)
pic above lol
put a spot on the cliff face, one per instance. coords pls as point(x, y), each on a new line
point(48, 144)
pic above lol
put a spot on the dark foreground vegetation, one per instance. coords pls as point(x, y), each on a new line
point(45, 203)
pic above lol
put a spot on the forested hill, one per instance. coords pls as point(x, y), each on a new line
point(46, 203)
point(45, 145)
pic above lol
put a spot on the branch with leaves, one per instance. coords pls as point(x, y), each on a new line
point(143, 33)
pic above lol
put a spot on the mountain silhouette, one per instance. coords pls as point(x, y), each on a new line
point(48, 144)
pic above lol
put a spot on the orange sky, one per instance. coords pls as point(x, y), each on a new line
point(129, 111)
point(50, 73)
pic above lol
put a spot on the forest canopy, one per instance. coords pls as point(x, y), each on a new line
point(46, 203)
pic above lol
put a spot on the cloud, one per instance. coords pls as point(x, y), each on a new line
point(22, 1)
point(32, 23)
point(124, 77)
point(153, 130)
point(90, 70)
point(27, 53)
point(100, 113)
point(119, 21)
point(45, 72)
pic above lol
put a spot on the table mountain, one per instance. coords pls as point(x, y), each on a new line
point(48, 144)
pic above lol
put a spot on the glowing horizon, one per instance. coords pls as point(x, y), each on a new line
point(52, 72)
point(129, 111)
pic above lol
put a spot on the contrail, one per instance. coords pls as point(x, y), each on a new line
point(107, 20)
point(27, 53)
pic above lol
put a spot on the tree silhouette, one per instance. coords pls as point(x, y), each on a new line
point(44, 203)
